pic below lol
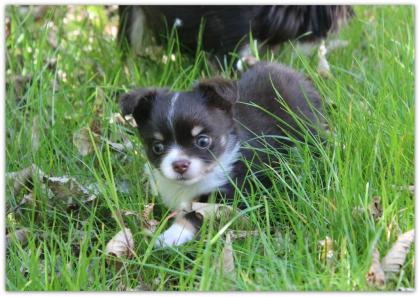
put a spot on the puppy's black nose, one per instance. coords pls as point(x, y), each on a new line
point(181, 166)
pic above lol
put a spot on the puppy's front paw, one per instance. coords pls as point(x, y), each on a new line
point(176, 235)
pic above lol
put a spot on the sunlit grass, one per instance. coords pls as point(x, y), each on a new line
point(370, 153)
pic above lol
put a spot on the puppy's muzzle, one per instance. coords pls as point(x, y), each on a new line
point(181, 166)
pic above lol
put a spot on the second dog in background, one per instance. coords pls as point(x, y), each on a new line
point(228, 28)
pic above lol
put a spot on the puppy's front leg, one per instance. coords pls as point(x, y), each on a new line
point(182, 230)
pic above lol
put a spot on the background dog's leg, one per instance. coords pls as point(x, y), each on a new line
point(246, 57)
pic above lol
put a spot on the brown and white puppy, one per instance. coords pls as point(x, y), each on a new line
point(196, 140)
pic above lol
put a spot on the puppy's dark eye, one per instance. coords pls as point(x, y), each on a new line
point(203, 141)
point(158, 148)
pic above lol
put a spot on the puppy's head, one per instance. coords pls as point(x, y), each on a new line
point(184, 133)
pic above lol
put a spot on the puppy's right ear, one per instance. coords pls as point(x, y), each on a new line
point(138, 103)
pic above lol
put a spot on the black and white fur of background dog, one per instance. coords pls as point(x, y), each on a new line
point(195, 140)
point(227, 28)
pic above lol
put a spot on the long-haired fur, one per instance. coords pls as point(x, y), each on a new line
point(226, 28)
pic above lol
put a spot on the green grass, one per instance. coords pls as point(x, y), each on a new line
point(370, 154)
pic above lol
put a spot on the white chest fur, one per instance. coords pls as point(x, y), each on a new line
point(176, 195)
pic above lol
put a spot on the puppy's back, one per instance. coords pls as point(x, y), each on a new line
point(283, 92)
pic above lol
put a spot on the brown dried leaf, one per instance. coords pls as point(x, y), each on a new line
point(21, 84)
point(410, 188)
point(52, 38)
point(7, 26)
point(23, 177)
point(116, 144)
point(20, 235)
point(35, 139)
point(119, 119)
point(227, 256)
point(28, 199)
point(52, 64)
point(111, 30)
point(402, 289)
point(358, 211)
point(220, 212)
point(62, 77)
point(153, 52)
point(227, 260)
point(210, 209)
point(127, 213)
point(327, 250)
point(64, 188)
point(111, 10)
point(395, 258)
point(147, 211)
point(375, 208)
point(376, 275)
point(150, 224)
point(123, 186)
point(241, 234)
point(96, 127)
point(129, 118)
point(390, 227)
point(127, 145)
point(68, 188)
point(82, 141)
point(99, 102)
point(121, 245)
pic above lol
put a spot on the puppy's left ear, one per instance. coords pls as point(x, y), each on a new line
point(219, 92)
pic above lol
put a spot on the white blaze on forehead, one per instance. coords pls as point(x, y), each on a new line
point(172, 108)
point(196, 130)
point(158, 136)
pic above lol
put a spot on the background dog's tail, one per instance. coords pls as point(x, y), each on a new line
point(280, 23)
